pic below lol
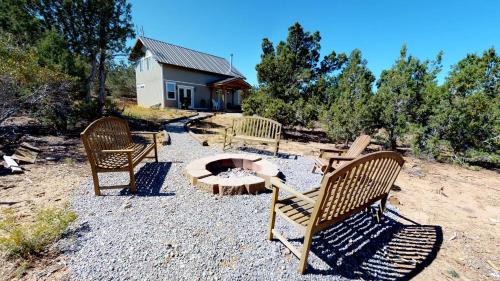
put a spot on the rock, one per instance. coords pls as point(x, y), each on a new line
point(126, 204)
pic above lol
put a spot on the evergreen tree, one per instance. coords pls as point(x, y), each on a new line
point(466, 121)
point(292, 76)
point(18, 17)
point(349, 115)
point(401, 93)
point(95, 30)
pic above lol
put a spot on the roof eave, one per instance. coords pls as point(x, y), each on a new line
point(204, 71)
point(134, 51)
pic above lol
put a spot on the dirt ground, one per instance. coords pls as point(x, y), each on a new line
point(48, 183)
point(463, 203)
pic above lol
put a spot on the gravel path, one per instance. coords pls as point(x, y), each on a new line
point(171, 231)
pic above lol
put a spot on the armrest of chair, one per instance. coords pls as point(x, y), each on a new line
point(341, 158)
point(278, 184)
point(324, 150)
point(332, 149)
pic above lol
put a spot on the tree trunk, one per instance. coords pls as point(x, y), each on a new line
point(102, 80)
point(392, 140)
point(90, 79)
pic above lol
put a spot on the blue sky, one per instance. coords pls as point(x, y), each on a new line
point(377, 28)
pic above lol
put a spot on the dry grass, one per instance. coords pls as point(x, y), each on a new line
point(150, 114)
point(26, 240)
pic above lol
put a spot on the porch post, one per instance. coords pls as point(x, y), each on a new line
point(210, 105)
point(223, 105)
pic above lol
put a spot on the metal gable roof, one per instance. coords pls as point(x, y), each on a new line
point(183, 57)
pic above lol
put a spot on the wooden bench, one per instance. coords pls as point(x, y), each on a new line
point(353, 188)
point(340, 156)
point(254, 129)
point(109, 147)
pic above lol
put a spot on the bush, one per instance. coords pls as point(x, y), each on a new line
point(255, 104)
point(280, 111)
point(276, 109)
point(26, 87)
point(306, 112)
point(465, 127)
point(25, 240)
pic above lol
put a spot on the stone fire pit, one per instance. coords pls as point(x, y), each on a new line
point(254, 173)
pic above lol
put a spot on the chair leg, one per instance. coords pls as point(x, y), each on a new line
point(95, 178)
point(324, 169)
point(133, 188)
point(156, 149)
point(383, 202)
point(305, 252)
point(381, 208)
point(224, 145)
point(276, 149)
point(273, 214)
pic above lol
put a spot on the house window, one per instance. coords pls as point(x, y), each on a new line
point(140, 66)
point(148, 63)
point(140, 86)
point(170, 90)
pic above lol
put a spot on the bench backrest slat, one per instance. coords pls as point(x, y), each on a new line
point(356, 185)
point(255, 126)
point(105, 133)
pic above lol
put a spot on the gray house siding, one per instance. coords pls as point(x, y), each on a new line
point(148, 82)
point(160, 66)
point(190, 78)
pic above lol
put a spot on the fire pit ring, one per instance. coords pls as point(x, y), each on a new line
point(202, 173)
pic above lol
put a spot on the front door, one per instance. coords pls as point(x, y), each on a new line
point(186, 97)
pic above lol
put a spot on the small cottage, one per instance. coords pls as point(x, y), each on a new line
point(172, 76)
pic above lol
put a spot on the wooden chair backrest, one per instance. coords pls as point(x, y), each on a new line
point(256, 126)
point(358, 146)
point(355, 186)
point(105, 133)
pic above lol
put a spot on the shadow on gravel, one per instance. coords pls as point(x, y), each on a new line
point(70, 242)
point(266, 152)
point(359, 248)
point(175, 128)
point(149, 179)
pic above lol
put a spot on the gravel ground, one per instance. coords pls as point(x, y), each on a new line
point(171, 231)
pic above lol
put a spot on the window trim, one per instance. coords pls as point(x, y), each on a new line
point(175, 91)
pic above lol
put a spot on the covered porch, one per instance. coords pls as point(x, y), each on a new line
point(227, 94)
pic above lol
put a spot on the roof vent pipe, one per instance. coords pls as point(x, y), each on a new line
point(231, 63)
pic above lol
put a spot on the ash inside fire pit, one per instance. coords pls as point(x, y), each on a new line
point(235, 172)
point(231, 174)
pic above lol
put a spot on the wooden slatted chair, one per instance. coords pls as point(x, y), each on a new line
point(254, 129)
point(351, 189)
point(109, 147)
point(331, 162)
